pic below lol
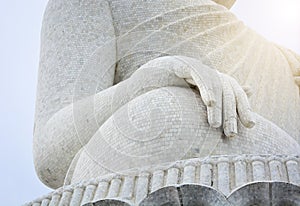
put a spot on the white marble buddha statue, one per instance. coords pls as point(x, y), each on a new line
point(127, 84)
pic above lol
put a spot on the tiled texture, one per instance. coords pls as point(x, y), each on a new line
point(112, 96)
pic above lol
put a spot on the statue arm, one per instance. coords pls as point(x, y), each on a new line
point(77, 50)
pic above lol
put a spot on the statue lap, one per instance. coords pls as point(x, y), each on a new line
point(165, 125)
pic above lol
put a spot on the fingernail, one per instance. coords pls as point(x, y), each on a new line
point(215, 124)
point(214, 117)
point(250, 124)
point(230, 128)
point(250, 121)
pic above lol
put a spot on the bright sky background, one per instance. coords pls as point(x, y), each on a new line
point(20, 23)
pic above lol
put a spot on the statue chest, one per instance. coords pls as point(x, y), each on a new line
point(152, 28)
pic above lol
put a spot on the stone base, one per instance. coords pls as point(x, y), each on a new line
point(260, 193)
point(226, 179)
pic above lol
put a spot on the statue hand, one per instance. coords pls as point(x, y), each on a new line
point(235, 101)
point(223, 96)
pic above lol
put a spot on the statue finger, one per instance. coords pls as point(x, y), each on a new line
point(207, 94)
point(214, 115)
point(209, 85)
point(243, 106)
point(212, 98)
point(229, 108)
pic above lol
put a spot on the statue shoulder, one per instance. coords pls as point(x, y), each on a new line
point(293, 60)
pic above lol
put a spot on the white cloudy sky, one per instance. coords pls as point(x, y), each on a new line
point(20, 23)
